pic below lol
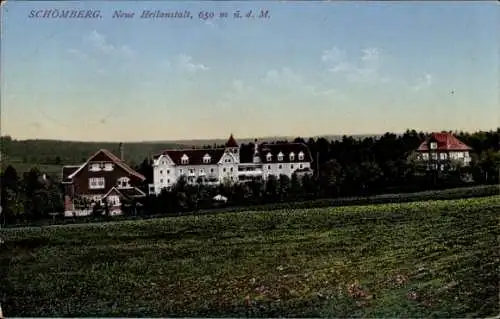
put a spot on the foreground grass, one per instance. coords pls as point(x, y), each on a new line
point(436, 258)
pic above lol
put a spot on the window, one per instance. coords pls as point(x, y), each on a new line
point(206, 159)
point(180, 171)
point(301, 166)
point(123, 182)
point(113, 200)
point(433, 145)
point(268, 166)
point(291, 166)
point(161, 180)
point(94, 167)
point(292, 156)
point(161, 171)
point(184, 159)
point(268, 157)
point(301, 156)
point(280, 156)
point(223, 169)
point(211, 170)
point(108, 167)
point(191, 171)
point(163, 163)
point(231, 169)
point(443, 156)
point(280, 166)
point(168, 181)
point(168, 171)
point(96, 182)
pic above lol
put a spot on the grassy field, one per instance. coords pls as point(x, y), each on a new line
point(434, 258)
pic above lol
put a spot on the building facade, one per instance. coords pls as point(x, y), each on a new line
point(229, 164)
point(103, 178)
point(443, 151)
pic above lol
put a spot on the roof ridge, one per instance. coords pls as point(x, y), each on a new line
point(115, 159)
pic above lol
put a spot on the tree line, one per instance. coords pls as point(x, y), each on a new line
point(342, 168)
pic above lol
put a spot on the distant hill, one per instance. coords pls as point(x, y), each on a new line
point(202, 142)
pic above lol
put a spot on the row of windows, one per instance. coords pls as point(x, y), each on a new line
point(301, 166)
point(191, 171)
point(95, 167)
point(185, 159)
point(100, 183)
point(269, 156)
point(96, 182)
point(192, 180)
point(444, 156)
point(207, 159)
point(202, 171)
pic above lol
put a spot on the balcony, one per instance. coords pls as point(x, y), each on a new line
point(253, 173)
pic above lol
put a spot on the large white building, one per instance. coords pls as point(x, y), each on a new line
point(214, 166)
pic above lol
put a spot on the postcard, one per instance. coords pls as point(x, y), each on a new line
point(249, 159)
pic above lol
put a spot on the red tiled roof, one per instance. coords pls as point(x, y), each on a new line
point(195, 156)
point(231, 142)
point(285, 149)
point(445, 142)
point(114, 159)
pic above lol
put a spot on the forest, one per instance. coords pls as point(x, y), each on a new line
point(343, 168)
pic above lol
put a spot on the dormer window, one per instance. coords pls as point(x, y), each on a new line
point(433, 145)
point(292, 156)
point(184, 159)
point(108, 167)
point(123, 182)
point(301, 156)
point(94, 167)
point(280, 156)
point(206, 159)
point(269, 156)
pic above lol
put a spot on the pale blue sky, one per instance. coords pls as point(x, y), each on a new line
point(312, 68)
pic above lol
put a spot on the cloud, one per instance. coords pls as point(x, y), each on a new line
point(365, 70)
point(166, 63)
point(185, 62)
point(296, 87)
point(282, 77)
point(238, 92)
point(423, 83)
point(336, 60)
point(100, 43)
point(78, 53)
point(371, 55)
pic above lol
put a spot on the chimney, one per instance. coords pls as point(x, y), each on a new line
point(122, 154)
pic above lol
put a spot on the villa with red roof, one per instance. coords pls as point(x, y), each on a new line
point(102, 178)
point(441, 150)
point(230, 163)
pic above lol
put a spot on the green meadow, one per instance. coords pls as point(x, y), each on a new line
point(428, 258)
